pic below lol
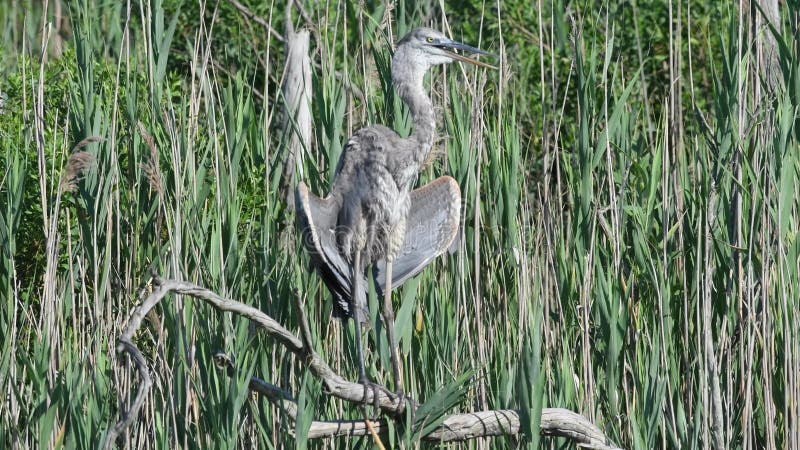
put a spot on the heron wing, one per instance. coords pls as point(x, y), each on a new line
point(316, 218)
point(431, 228)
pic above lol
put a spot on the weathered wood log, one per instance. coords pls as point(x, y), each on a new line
point(297, 106)
point(456, 427)
point(765, 19)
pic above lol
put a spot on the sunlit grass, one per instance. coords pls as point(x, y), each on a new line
point(614, 246)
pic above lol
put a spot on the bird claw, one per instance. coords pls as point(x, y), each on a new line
point(375, 388)
point(410, 403)
point(397, 397)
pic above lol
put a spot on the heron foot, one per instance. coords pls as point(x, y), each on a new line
point(374, 388)
point(410, 402)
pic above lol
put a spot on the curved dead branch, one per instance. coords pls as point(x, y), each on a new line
point(456, 427)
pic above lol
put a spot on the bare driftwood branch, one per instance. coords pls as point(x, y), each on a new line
point(456, 427)
point(297, 106)
point(141, 394)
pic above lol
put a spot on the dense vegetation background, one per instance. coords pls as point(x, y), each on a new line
point(630, 245)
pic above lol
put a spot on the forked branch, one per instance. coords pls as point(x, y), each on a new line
point(456, 427)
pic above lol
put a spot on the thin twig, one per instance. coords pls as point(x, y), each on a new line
point(255, 18)
point(340, 76)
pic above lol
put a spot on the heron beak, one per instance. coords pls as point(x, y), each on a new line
point(458, 50)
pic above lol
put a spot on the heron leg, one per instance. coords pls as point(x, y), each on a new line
point(387, 315)
point(362, 373)
point(357, 289)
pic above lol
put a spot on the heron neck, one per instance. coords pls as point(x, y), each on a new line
point(419, 104)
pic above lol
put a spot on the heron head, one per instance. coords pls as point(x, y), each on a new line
point(428, 47)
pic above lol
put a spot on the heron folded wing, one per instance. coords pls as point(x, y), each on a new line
point(432, 225)
point(316, 219)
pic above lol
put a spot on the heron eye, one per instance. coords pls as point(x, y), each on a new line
point(430, 40)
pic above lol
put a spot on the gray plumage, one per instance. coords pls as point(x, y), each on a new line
point(431, 227)
point(371, 217)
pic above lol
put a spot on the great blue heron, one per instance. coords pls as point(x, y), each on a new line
point(371, 217)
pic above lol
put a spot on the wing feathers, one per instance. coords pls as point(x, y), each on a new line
point(431, 228)
point(316, 218)
point(432, 225)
